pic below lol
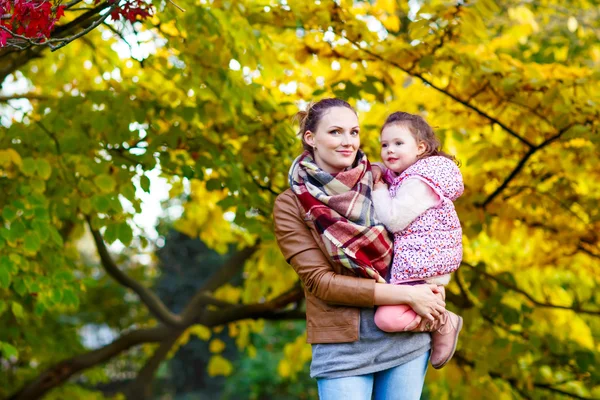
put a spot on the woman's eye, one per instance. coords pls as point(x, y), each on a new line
point(334, 132)
point(355, 133)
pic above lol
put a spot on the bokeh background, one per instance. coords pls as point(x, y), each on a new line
point(142, 145)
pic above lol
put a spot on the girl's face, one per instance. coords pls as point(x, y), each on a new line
point(399, 148)
point(336, 140)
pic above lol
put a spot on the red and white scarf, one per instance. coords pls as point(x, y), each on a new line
point(340, 206)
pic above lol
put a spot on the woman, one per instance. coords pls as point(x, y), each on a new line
point(325, 228)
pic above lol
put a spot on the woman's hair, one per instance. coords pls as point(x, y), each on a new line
point(309, 119)
point(421, 131)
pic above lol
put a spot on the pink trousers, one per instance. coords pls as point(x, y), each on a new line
point(394, 318)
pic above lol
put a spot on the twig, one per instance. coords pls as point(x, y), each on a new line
point(529, 296)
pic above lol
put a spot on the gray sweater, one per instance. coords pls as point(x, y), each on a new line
point(375, 351)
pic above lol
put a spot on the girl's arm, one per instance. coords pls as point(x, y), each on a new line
point(412, 199)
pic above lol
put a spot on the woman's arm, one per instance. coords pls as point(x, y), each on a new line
point(312, 266)
point(425, 300)
point(412, 199)
point(314, 269)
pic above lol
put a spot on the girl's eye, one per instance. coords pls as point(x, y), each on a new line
point(399, 143)
point(383, 146)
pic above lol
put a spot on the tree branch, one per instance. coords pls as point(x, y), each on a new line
point(194, 309)
point(85, 31)
point(59, 373)
point(267, 310)
point(25, 96)
point(514, 382)
point(447, 93)
point(141, 388)
point(229, 269)
point(154, 304)
point(529, 296)
point(522, 163)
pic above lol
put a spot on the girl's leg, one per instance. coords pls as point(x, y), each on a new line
point(350, 388)
point(404, 382)
point(394, 318)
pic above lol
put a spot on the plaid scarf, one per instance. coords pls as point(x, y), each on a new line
point(340, 206)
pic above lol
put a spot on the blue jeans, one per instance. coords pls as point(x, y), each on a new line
point(404, 382)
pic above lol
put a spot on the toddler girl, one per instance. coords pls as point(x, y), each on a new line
point(418, 209)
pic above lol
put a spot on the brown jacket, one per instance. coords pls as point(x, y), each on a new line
point(334, 294)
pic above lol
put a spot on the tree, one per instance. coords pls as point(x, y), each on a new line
point(29, 27)
point(210, 105)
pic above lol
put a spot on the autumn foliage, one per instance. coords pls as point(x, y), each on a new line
point(203, 99)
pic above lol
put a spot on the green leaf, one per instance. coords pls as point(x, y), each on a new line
point(63, 275)
point(111, 234)
point(85, 187)
point(128, 191)
point(42, 228)
point(105, 183)
point(101, 203)
point(17, 229)
point(17, 309)
point(8, 350)
point(19, 287)
point(44, 169)
point(56, 295)
point(9, 213)
point(70, 298)
point(8, 264)
point(39, 309)
point(145, 183)
point(29, 166)
point(55, 236)
point(32, 242)
point(38, 186)
point(41, 213)
point(85, 205)
point(125, 234)
point(4, 278)
point(115, 205)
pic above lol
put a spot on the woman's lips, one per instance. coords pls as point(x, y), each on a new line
point(345, 152)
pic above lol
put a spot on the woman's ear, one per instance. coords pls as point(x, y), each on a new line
point(309, 138)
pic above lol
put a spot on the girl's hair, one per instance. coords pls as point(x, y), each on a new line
point(421, 131)
point(309, 119)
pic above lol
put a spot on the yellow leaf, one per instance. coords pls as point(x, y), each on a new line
point(219, 366)
point(200, 331)
point(392, 23)
point(284, 369)
point(216, 346)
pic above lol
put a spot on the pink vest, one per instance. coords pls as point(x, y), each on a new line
point(432, 244)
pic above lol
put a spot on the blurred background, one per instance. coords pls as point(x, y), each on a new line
point(142, 145)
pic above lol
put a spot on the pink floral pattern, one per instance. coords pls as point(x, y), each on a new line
point(432, 244)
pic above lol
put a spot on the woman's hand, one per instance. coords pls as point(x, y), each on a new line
point(426, 301)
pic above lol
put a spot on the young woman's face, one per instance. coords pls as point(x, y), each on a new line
point(336, 140)
point(399, 148)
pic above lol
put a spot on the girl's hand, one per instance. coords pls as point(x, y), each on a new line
point(426, 301)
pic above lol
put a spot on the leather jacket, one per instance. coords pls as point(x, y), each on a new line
point(334, 295)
